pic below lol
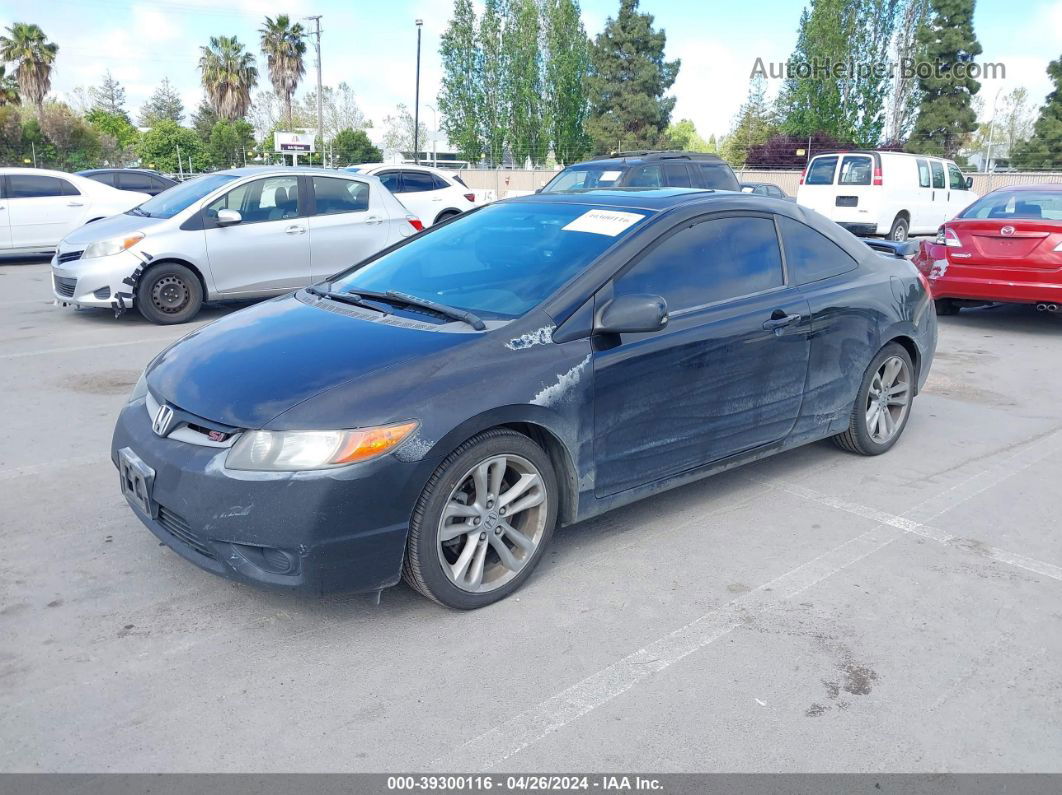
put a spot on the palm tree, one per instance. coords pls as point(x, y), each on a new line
point(8, 88)
point(283, 47)
point(27, 46)
point(229, 75)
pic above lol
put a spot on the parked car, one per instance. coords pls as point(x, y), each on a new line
point(38, 207)
point(435, 412)
point(894, 194)
point(432, 194)
point(766, 189)
point(243, 233)
point(1005, 247)
point(646, 170)
point(136, 179)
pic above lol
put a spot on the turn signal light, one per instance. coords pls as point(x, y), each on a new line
point(371, 442)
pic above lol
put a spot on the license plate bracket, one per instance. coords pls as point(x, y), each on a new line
point(137, 479)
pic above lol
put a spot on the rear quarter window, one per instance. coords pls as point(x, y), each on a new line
point(718, 176)
point(810, 255)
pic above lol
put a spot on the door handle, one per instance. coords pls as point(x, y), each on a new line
point(75, 204)
point(295, 230)
point(779, 322)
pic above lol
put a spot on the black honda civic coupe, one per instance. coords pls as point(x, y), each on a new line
point(434, 412)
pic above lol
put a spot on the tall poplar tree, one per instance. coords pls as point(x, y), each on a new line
point(528, 138)
point(495, 116)
point(948, 43)
point(567, 65)
point(1044, 148)
point(461, 97)
point(627, 82)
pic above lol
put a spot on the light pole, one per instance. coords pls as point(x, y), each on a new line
point(434, 134)
point(416, 99)
point(991, 131)
point(320, 107)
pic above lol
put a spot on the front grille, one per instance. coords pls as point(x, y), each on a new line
point(103, 293)
point(178, 527)
point(69, 256)
point(65, 287)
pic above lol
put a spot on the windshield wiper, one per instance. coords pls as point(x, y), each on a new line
point(343, 298)
point(472, 319)
point(138, 211)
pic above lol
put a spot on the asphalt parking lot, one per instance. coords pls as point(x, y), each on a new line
point(817, 611)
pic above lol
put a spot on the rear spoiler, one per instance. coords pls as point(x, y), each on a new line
point(897, 248)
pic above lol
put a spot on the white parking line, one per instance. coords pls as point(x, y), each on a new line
point(528, 727)
point(36, 469)
point(77, 348)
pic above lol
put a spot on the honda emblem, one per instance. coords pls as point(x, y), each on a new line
point(163, 418)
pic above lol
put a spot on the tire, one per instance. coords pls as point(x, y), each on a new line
point(446, 216)
point(945, 306)
point(169, 293)
point(865, 435)
point(900, 228)
point(433, 565)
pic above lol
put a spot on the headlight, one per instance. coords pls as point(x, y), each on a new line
point(290, 451)
point(116, 245)
point(140, 389)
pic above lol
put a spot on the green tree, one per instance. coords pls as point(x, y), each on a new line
point(492, 75)
point(284, 48)
point(229, 143)
point(8, 88)
point(353, 146)
point(10, 136)
point(904, 98)
point(461, 99)
point(682, 135)
point(754, 124)
point(109, 96)
point(229, 75)
point(204, 119)
point(164, 103)
point(1044, 148)
point(627, 82)
point(398, 130)
point(159, 147)
point(28, 48)
point(567, 66)
point(77, 145)
point(945, 117)
point(115, 125)
point(528, 139)
point(867, 90)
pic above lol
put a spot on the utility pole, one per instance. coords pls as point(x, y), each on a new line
point(416, 100)
point(320, 108)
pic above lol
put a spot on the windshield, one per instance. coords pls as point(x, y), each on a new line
point(499, 261)
point(172, 200)
point(1026, 205)
point(586, 177)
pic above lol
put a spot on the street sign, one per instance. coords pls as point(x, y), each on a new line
point(293, 143)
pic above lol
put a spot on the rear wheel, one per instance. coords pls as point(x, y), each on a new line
point(883, 405)
point(483, 521)
point(899, 230)
point(446, 216)
point(169, 293)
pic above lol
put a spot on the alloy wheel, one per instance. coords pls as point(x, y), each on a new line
point(492, 523)
point(888, 399)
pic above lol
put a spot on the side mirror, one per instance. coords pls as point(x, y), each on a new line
point(631, 314)
point(969, 183)
point(228, 217)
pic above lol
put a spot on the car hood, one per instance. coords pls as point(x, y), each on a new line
point(255, 364)
point(106, 228)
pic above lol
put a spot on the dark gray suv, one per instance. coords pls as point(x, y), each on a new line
point(646, 170)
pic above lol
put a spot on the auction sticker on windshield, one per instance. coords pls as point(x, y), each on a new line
point(603, 222)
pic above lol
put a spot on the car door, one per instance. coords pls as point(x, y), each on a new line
point(136, 181)
point(419, 195)
point(349, 223)
point(959, 197)
point(938, 193)
point(5, 226)
point(42, 209)
point(269, 249)
point(922, 211)
point(727, 373)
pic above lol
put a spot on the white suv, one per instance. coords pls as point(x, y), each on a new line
point(431, 194)
point(242, 233)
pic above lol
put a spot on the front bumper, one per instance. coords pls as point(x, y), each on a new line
point(95, 282)
point(341, 529)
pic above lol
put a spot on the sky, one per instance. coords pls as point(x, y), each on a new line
point(371, 45)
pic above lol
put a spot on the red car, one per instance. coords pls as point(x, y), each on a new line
point(1006, 247)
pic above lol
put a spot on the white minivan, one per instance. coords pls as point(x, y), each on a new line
point(893, 194)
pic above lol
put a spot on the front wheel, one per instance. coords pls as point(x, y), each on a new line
point(883, 404)
point(483, 521)
point(169, 293)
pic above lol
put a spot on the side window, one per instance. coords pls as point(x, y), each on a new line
point(269, 199)
point(69, 189)
point(416, 182)
point(855, 170)
point(439, 183)
point(956, 179)
point(677, 175)
point(104, 178)
point(716, 175)
point(645, 177)
point(129, 180)
point(33, 186)
point(340, 195)
point(821, 171)
point(938, 173)
point(809, 255)
point(707, 262)
point(392, 180)
point(775, 191)
point(923, 173)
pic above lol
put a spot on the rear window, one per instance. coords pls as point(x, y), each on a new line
point(821, 171)
point(586, 177)
point(856, 170)
point(1026, 205)
point(718, 176)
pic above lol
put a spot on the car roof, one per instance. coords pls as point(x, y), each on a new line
point(1048, 186)
point(251, 171)
point(633, 158)
point(88, 171)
